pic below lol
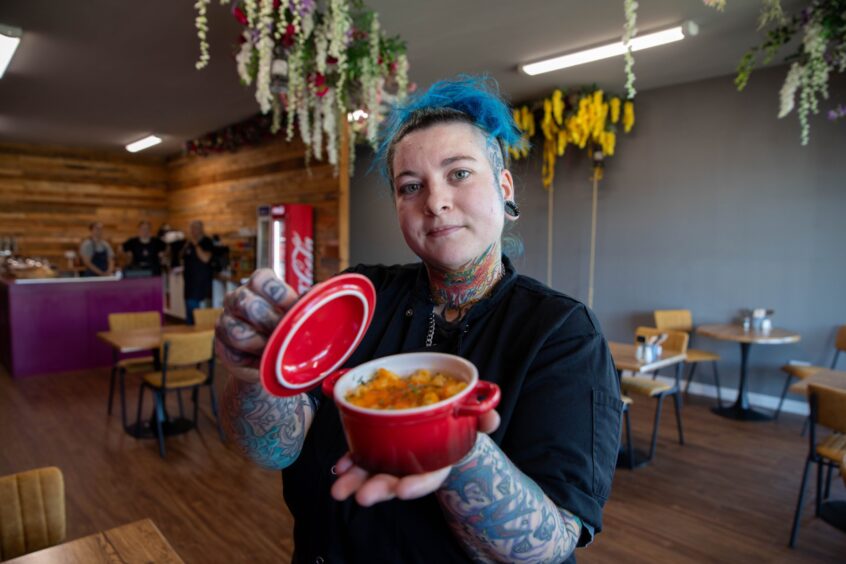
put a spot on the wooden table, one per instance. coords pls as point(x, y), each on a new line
point(140, 541)
point(625, 358)
point(825, 377)
point(141, 340)
point(741, 409)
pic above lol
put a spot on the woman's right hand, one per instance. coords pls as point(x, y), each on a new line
point(250, 314)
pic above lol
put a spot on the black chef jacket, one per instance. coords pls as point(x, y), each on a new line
point(560, 413)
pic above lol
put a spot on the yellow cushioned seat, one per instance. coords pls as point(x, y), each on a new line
point(833, 448)
point(181, 378)
point(138, 364)
point(698, 355)
point(32, 511)
point(644, 386)
point(800, 371)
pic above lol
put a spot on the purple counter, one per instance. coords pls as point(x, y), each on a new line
point(51, 325)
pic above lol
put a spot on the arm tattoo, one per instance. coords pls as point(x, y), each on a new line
point(268, 430)
point(500, 514)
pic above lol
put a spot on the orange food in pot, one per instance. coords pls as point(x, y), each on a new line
point(387, 390)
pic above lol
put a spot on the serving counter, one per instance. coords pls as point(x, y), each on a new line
point(50, 325)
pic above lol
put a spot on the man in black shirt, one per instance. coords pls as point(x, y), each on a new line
point(145, 250)
point(196, 257)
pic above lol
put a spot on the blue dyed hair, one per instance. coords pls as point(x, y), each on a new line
point(471, 99)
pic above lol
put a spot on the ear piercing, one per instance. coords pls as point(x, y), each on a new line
point(511, 208)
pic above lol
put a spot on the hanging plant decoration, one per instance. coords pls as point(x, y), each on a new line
point(822, 25)
point(629, 32)
point(586, 119)
point(315, 64)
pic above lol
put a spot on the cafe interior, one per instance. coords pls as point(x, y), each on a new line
point(678, 173)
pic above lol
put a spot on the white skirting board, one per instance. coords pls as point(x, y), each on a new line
point(799, 407)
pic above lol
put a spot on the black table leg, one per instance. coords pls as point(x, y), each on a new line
point(741, 410)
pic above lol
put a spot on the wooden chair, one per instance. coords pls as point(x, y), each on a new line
point(206, 318)
point(630, 454)
point(802, 371)
point(32, 511)
point(828, 409)
point(682, 320)
point(643, 386)
point(134, 365)
point(181, 353)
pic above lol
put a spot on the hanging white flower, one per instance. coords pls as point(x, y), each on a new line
point(265, 48)
point(787, 95)
point(629, 32)
point(242, 59)
point(202, 23)
point(317, 130)
point(329, 127)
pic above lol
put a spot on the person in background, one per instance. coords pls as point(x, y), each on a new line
point(96, 254)
point(145, 250)
point(196, 257)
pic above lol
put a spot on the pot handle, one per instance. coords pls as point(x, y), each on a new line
point(484, 397)
point(328, 385)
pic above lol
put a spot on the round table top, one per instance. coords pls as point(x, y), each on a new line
point(727, 332)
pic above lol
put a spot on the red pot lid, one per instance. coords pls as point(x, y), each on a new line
point(318, 334)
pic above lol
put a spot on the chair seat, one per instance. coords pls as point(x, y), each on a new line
point(801, 371)
point(641, 386)
point(833, 448)
point(697, 355)
point(137, 364)
point(627, 401)
point(181, 378)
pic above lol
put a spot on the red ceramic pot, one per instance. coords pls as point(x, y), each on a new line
point(320, 333)
point(421, 439)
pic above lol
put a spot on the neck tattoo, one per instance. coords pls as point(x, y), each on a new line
point(458, 291)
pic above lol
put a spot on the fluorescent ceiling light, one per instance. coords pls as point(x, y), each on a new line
point(610, 50)
point(142, 144)
point(10, 37)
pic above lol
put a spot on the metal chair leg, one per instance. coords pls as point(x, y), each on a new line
point(629, 447)
point(783, 395)
point(717, 383)
point(111, 389)
point(818, 503)
point(677, 402)
point(181, 408)
point(159, 397)
point(794, 531)
point(217, 416)
point(655, 428)
point(195, 399)
point(828, 481)
point(138, 413)
point(689, 377)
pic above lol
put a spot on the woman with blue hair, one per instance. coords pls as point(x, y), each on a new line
point(534, 485)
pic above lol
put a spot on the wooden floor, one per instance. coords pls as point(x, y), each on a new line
point(728, 495)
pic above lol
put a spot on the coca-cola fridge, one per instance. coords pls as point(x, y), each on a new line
point(285, 243)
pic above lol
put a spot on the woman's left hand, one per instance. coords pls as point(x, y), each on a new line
point(370, 489)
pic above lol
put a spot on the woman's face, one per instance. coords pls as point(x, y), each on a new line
point(449, 201)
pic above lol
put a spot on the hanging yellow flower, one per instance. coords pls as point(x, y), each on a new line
point(589, 122)
point(628, 116)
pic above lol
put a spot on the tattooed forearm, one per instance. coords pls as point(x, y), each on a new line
point(268, 430)
point(500, 514)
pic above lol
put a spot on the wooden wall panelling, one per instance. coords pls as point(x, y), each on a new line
point(49, 196)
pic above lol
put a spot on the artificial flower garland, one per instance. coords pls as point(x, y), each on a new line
point(314, 65)
point(587, 119)
point(822, 51)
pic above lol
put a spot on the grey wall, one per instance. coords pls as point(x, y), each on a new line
point(709, 204)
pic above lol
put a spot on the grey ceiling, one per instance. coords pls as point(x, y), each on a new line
point(101, 73)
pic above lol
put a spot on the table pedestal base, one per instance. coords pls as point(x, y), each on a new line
point(147, 429)
point(641, 458)
point(741, 414)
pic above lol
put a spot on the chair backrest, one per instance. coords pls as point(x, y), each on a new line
point(181, 349)
point(206, 318)
point(676, 340)
point(828, 406)
point(134, 320)
point(840, 340)
point(32, 511)
point(674, 319)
